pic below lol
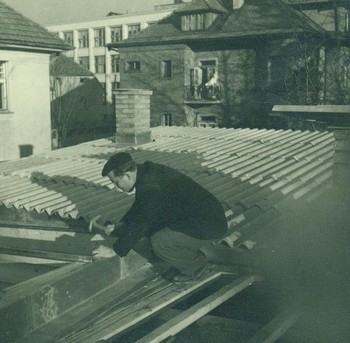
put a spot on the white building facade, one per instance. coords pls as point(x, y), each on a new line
point(89, 38)
point(25, 49)
point(25, 126)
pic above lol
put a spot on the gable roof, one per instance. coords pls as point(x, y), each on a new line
point(255, 18)
point(254, 173)
point(20, 32)
point(64, 66)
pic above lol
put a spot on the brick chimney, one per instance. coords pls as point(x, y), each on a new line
point(132, 110)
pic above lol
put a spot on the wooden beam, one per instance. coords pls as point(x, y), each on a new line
point(14, 273)
point(123, 317)
point(175, 325)
point(276, 328)
point(45, 254)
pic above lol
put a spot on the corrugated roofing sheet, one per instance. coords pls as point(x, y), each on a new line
point(250, 171)
point(15, 29)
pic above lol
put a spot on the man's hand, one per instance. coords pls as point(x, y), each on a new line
point(103, 252)
point(95, 223)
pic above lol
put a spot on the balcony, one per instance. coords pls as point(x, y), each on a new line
point(202, 95)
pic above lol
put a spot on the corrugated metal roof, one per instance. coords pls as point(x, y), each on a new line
point(250, 171)
point(15, 29)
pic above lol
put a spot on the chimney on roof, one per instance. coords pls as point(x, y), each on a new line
point(237, 4)
point(132, 110)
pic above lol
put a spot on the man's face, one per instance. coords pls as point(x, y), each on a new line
point(125, 182)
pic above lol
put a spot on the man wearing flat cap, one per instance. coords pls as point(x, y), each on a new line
point(177, 215)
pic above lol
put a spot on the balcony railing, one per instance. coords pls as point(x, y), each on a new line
point(203, 94)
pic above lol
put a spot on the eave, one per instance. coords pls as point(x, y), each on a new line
point(32, 48)
point(210, 36)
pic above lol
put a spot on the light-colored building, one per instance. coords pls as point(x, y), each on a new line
point(90, 38)
point(25, 49)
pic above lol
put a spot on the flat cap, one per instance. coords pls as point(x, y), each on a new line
point(116, 162)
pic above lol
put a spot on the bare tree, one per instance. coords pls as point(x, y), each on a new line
point(70, 96)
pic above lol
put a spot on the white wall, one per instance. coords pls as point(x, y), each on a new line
point(27, 120)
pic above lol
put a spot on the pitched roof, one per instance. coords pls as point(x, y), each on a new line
point(254, 18)
point(252, 172)
point(64, 66)
point(17, 30)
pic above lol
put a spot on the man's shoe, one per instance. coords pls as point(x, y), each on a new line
point(186, 278)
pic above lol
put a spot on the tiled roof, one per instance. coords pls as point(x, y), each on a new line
point(64, 66)
point(17, 30)
point(254, 18)
point(252, 172)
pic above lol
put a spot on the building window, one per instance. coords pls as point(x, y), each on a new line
point(133, 29)
point(68, 37)
point(167, 119)
point(115, 85)
point(166, 69)
point(84, 61)
point(83, 37)
point(99, 35)
point(199, 21)
point(115, 63)
point(207, 121)
point(133, 66)
point(100, 64)
point(116, 34)
point(25, 150)
point(3, 93)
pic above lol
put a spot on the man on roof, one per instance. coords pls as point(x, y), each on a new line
point(175, 213)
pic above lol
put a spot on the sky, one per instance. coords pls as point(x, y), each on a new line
point(46, 12)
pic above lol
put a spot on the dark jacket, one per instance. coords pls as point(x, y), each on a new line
point(167, 198)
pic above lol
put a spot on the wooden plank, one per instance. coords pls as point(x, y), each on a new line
point(127, 317)
point(7, 258)
point(14, 273)
point(45, 254)
point(275, 328)
point(119, 295)
point(175, 325)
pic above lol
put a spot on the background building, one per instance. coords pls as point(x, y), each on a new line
point(89, 39)
point(228, 62)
